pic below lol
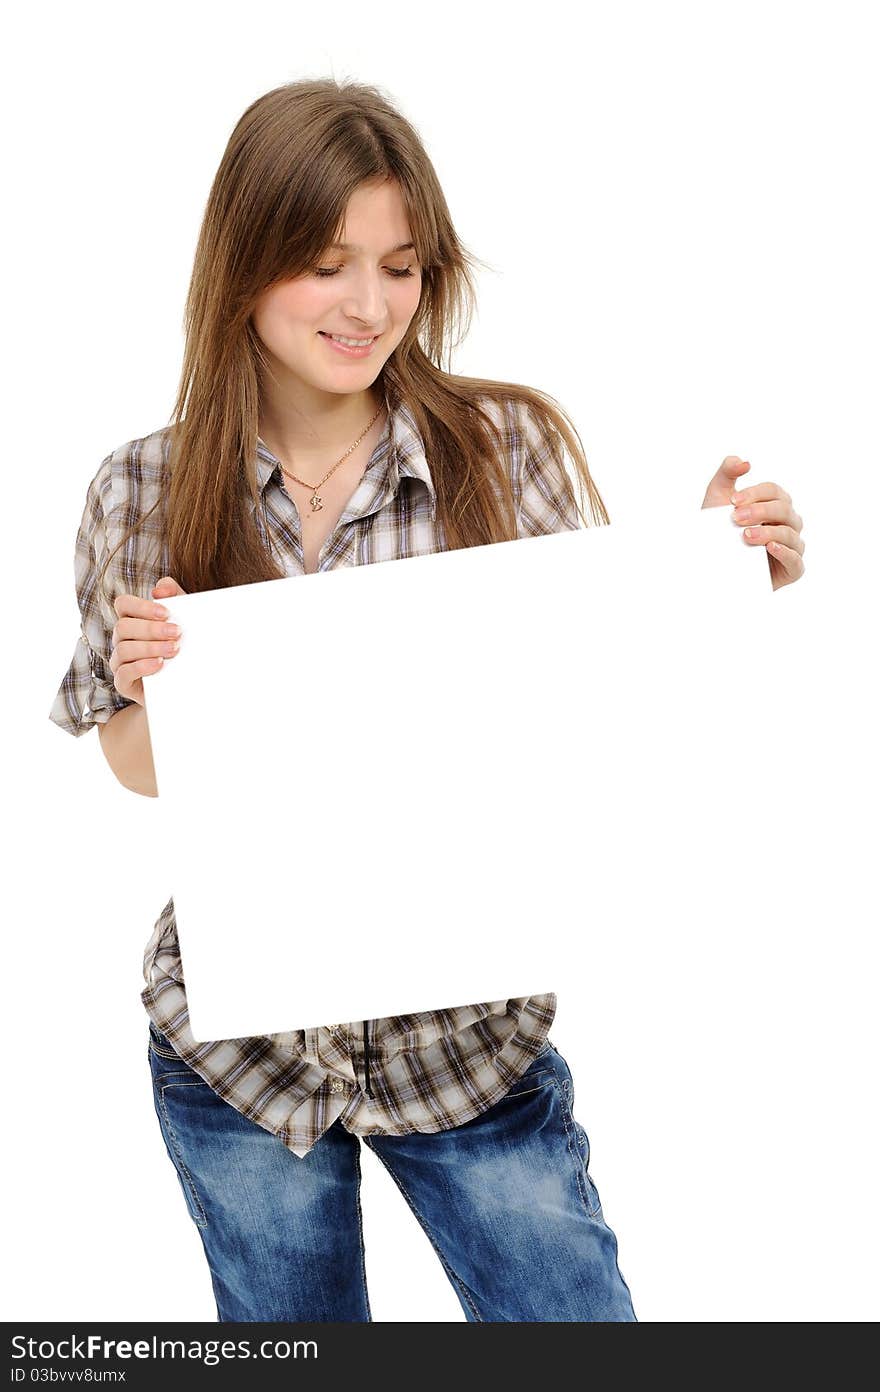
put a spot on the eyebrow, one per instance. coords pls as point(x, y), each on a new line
point(347, 246)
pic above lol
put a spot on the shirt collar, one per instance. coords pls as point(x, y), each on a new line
point(399, 453)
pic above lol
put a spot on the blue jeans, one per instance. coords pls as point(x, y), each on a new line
point(505, 1199)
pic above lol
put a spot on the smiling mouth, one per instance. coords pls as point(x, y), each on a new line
point(349, 342)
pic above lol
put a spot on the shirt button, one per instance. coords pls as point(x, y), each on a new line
point(336, 1084)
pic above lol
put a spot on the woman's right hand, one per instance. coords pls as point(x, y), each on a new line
point(141, 640)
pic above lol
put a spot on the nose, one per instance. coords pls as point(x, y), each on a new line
point(366, 302)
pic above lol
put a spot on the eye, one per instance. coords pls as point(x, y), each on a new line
point(398, 274)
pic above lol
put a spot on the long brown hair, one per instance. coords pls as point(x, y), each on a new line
point(278, 199)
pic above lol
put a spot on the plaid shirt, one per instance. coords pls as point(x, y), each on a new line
point(426, 1072)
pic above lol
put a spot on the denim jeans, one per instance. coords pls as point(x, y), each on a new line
point(506, 1200)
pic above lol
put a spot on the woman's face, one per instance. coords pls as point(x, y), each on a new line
point(369, 290)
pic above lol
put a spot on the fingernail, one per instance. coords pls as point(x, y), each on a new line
point(159, 612)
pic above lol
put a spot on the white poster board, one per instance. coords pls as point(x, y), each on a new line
point(380, 777)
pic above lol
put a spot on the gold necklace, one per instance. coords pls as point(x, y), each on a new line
point(315, 500)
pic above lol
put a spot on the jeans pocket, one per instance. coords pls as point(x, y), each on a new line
point(579, 1143)
point(164, 1089)
point(539, 1073)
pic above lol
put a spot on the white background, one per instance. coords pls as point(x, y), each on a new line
point(678, 204)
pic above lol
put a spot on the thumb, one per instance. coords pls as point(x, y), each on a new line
point(167, 586)
point(734, 467)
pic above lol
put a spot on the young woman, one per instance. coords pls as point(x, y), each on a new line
point(320, 432)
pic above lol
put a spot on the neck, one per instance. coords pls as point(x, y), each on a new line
point(321, 424)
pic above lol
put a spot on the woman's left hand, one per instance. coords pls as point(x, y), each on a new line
point(765, 511)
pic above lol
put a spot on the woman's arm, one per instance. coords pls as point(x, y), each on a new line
point(125, 740)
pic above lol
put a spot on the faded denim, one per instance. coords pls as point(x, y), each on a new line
point(506, 1200)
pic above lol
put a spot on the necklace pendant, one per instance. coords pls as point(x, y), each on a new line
point(316, 503)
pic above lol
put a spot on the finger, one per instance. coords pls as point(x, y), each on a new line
point(132, 650)
point(784, 536)
point(127, 654)
point(788, 558)
point(129, 673)
point(134, 607)
point(130, 627)
point(733, 467)
point(760, 492)
point(144, 629)
point(168, 586)
point(721, 484)
point(776, 510)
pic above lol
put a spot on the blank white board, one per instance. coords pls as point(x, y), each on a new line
point(377, 779)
